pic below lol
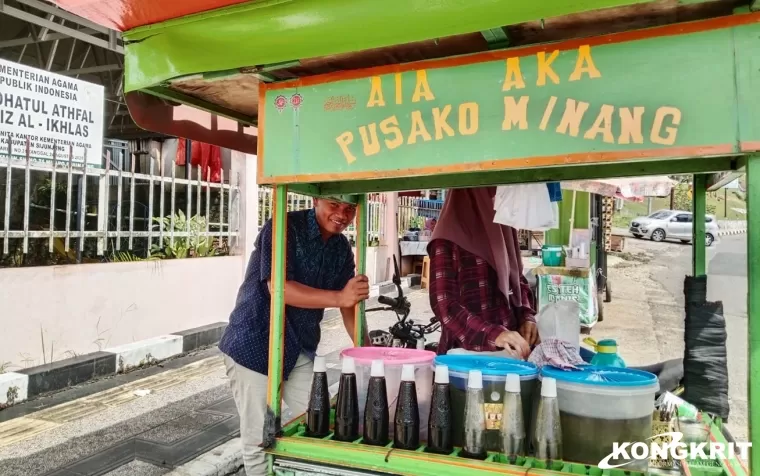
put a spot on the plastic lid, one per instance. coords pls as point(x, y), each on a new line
point(601, 376)
point(499, 366)
point(407, 373)
point(390, 355)
point(320, 365)
point(349, 367)
point(606, 346)
point(513, 383)
point(378, 369)
point(549, 388)
point(441, 374)
point(475, 380)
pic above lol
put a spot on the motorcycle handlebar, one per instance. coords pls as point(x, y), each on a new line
point(388, 301)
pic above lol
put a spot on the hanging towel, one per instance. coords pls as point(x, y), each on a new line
point(525, 207)
point(555, 191)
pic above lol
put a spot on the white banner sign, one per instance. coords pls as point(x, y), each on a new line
point(50, 111)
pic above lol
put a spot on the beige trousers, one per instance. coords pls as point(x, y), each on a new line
point(249, 390)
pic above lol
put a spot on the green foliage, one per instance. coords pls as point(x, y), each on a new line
point(192, 246)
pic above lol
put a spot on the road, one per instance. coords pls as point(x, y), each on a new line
point(727, 282)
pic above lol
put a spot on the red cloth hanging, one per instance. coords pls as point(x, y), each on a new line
point(207, 156)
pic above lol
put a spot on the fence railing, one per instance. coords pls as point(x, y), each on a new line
point(375, 213)
point(413, 212)
point(47, 206)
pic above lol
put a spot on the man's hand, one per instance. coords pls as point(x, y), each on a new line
point(513, 343)
point(357, 289)
point(529, 332)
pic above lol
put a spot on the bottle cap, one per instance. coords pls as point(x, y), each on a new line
point(475, 380)
point(378, 369)
point(320, 365)
point(349, 367)
point(441, 374)
point(513, 383)
point(407, 373)
point(549, 387)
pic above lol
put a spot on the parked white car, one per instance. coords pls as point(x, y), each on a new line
point(672, 225)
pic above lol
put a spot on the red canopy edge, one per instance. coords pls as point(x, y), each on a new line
point(154, 114)
point(123, 15)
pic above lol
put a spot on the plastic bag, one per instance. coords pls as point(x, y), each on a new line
point(560, 320)
point(526, 207)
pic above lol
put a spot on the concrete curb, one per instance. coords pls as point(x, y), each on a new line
point(731, 232)
point(15, 387)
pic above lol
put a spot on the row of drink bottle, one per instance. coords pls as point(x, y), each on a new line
point(546, 435)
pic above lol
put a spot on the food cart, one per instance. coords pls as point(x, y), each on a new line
point(357, 97)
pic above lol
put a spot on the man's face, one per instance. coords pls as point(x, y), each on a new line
point(333, 217)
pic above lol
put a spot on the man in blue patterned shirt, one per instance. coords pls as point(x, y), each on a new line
point(319, 275)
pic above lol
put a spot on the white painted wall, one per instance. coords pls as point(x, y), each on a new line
point(79, 307)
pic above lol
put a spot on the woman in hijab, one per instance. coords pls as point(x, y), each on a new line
point(477, 289)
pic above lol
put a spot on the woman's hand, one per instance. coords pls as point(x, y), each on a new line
point(529, 332)
point(514, 343)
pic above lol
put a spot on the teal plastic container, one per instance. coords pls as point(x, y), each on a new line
point(606, 354)
point(551, 255)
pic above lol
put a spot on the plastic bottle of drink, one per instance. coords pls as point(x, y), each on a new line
point(376, 410)
point(318, 411)
point(439, 422)
point(547, 436)
point(406, 434)
point(512, 423)
point(347, 407)
point(474, 418)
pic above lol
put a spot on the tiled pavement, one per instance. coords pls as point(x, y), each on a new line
point(151, 443)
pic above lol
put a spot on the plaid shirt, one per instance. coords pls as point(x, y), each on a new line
point(465, 296)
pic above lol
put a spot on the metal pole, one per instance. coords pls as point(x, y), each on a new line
point(698, 242)
point(649, 206)
point(753, 303)
point(361, 266)
point(272, 422)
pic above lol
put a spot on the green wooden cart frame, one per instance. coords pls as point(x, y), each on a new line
point(360, 96)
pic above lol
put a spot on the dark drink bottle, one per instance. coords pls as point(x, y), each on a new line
point(347, 406)
point(439, 422)
point(318, 411)
point(376, 409)
point(406, 435)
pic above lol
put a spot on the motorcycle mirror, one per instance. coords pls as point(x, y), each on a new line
point(396, 272)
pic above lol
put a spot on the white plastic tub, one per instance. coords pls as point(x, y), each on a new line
point(603, 405)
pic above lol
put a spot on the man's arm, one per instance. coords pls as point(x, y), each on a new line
point(305, 297)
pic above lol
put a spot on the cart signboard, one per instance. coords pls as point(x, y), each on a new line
point(595, 100)
point(50, 112)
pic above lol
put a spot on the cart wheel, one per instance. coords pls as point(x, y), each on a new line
point(600, 314)
point(607, 292)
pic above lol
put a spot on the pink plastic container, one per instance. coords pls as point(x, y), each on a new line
point(394, 359)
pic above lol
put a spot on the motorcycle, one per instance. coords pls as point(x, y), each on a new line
point(405, 333)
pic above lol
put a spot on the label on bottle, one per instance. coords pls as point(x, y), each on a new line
point(493, 415)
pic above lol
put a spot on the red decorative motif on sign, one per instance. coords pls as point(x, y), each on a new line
point(296, 100)
point(280, 102)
